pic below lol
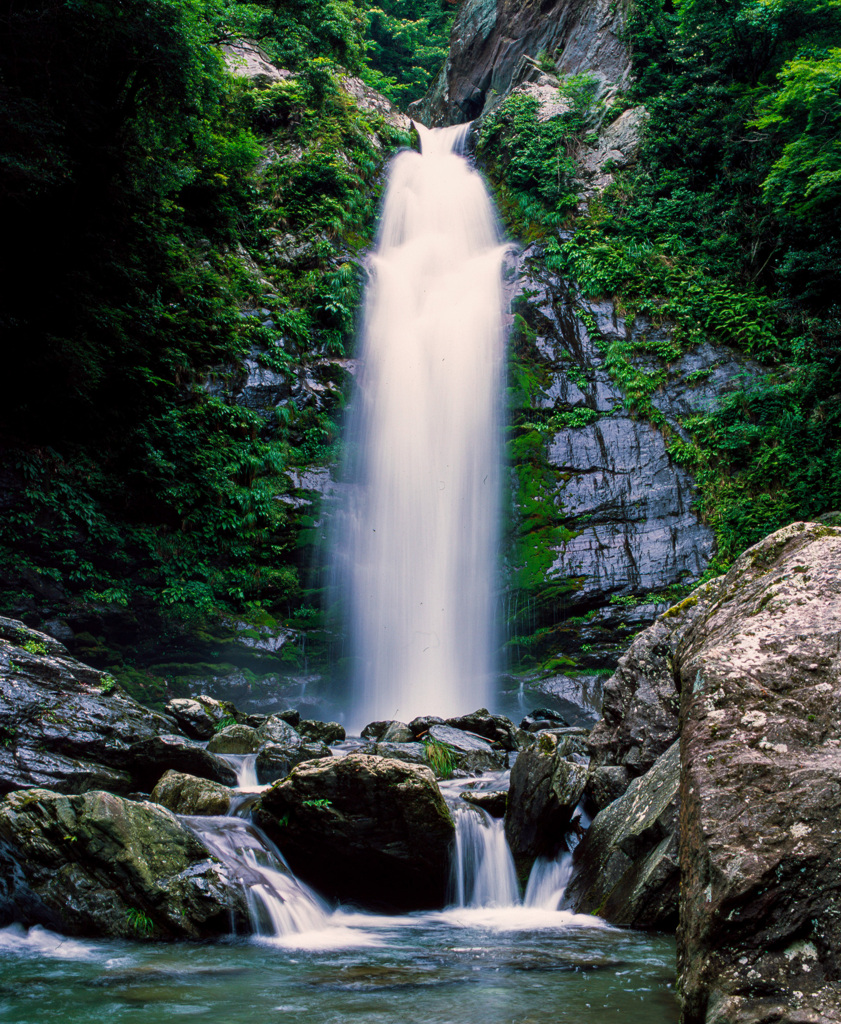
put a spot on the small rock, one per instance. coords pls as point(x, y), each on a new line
point(151, 758)
point(420, 726)
point(494, 801)
point(458, 739)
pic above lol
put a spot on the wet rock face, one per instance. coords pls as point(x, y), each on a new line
point(544, 792)
point(760, 854)
point(149, 759)
point(489, 38)
point(382, 821)
point(628, 507)
point(627, 863)
point(64, 725)
point(97, 865)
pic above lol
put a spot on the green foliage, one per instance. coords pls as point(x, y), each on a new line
point(108, 684)
point(441, 758)
point(322, 802)
point(407, 44)
point(34, 647)
point(140, 922)
point(224, 723)
point(530, 160)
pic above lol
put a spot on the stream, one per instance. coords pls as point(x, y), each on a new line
point(487, 959)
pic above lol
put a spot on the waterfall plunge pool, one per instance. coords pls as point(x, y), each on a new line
point(466, 966)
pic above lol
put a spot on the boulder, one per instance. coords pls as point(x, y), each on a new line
point(98, 865)
point(627, 863)
point(478, 762)
point(63, 724)
point(494, 801)
point(606, 784)
point(543, 718)
point(375, 730)
point(324, 732)
point(458, 739)
point(496, 728)
point(149, 759)
point(186, 794)
point(277, 730)
point(363, 829)
point(760, 847)
point(420, 726)
point(198, 717)
point(235, 739)
point(415, 753)
point(543, 794)
point(276, 760)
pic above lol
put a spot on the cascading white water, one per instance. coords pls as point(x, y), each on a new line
point(279, 904)
point(418, 543)
point(547, 882)
point(483, 873)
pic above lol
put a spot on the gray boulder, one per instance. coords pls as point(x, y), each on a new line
point(382, 821)
point(627, 863)
point(235, 739)
point(323, 732)
point(186, 794)
point(98, 865)
point(63, 724)
point(277, 730)
point(760, 854)
point(415, 753)
point(198, 717)
point(150, 759)
point(276, 760)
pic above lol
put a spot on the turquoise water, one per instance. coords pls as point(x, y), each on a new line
point(466, 966)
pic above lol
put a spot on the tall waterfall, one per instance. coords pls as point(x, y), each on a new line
point(418, 540)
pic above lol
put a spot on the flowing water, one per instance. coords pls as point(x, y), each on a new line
point(417, 548)
point(488, 959)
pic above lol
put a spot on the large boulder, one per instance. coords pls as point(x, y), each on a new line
point(363, 829)
point(64, 725)
point(496, 728)
point(276, 760)
point(235, 739)
point(321, 732)
point(98, 865)
point(627, 863)
point(149, 759)
point(544, 792)
point(199, 717)
point(187, 794)
point(760, 847)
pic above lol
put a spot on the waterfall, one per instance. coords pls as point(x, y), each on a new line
point(483, 872)
point(547, 882)
point(278, 903)
point(417, 543)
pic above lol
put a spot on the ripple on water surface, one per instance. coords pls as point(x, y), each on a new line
point(506, 966)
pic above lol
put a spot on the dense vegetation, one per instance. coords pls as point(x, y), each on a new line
point(165, 219)
point(727, 228)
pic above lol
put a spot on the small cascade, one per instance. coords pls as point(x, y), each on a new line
point(247, 773)
point(278, 903)
point(483, 872)
point(547, 882)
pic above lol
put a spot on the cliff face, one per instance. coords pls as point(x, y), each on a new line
point(490, 37)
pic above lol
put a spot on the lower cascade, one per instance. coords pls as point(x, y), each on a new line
point(483, 873)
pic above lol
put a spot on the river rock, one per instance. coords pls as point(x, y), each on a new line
point(415, 753)
point(150, 759)
point(606, 784)
point(478, 762)
point(420, 725)
point(627, 863)
point(186, 794)
point(375, 730)
point(235, 739)
point(363, 829)
point(543, 794)
point(496, 728)
point(494, 801)
point(397, 732)
point(276, 760)
point(458, 739)
point(63, 724)
point(325, 732)
point(98, 865)
point(543, 718)
point(198, 717)
point(277, 730)
point(760, 850)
